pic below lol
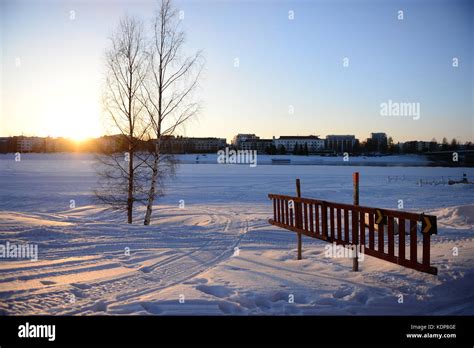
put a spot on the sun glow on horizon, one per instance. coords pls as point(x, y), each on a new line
point(78, 122)
point(65, 107)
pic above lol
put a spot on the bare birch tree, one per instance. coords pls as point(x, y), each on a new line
point(168, 91)
point(126, 67)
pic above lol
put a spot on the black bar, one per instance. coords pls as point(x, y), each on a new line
point(136, 330)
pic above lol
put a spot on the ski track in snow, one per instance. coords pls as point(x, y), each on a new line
point(163, 270)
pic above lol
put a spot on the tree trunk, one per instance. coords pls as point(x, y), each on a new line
point(152, 192)
point(130, 189)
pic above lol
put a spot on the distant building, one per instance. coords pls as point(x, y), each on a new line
point(111, 143)
point(409, 146)
point(313, 142)
point(422, 146)
point(29, 144)
point(240, 138)
point(172, 144)
point(419, 146)
point(5, 144)
point(379, 141)
point(341, 143)
point(180, 144)
point(59, 145)
point(425, 146)
point(204, 144)
point(261, 145)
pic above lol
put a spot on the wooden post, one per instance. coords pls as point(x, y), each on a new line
point(355, 177)
point(355, 260)
point(298, 217)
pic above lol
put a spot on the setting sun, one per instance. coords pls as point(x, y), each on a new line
point(77, 123)
point(67, 107)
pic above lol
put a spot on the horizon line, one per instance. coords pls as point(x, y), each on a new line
point(77, 140)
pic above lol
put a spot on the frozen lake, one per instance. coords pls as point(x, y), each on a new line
point(83, 266)
point(49, 182)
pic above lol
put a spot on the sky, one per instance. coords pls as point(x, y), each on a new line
point(291, 80)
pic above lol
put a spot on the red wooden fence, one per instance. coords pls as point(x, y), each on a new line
point(374, 229)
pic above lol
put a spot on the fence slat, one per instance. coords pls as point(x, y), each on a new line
point(318, 231)
point(339, 225)
point(362, 228)
point(297, 215)
point(331, 220)
point(390, 222)
point(292, 220)
point(371, 232)
point(355, 227)
point(413, 246)
point(346, 226)
point(305, 208)
point(426, 249)
point(324, 220)
point(381, 245)
point(401, 240)
point(282, 211)
point(311, 218)
point(278, 210)
point(274, 210)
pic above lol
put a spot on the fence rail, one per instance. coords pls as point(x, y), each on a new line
point(377, 230)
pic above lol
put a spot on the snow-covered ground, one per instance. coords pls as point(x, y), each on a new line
point(218, 254)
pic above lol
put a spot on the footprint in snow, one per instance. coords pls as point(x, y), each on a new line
point(81, 286)
point(196, 281)
point(47, 282)
point(342, 292)
point(215, 290)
